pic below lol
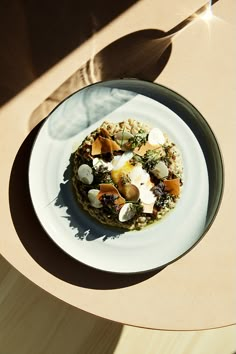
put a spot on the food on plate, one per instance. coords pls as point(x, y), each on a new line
point(127, 174)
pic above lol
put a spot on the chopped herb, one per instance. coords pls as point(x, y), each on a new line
point(125, 179)
point(138, 140)
point(150, 159)
point(102, 175)
point(164, 200)
point(108, 202)
point(138, 208)
point(167, 161)
point(136, 159)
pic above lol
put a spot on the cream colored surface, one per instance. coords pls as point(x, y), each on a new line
point(32, 321)
point(199, 290)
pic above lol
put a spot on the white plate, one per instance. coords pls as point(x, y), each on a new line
point(76, 232)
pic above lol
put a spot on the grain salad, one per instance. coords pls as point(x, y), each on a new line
point(127, 174)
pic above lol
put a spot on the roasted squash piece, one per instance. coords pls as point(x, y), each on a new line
point(109, 189)
point(172, 186)
point(103, 145)
point(141, 151)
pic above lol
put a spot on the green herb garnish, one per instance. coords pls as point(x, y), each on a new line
point(138, 140)
point(108, 202)
point(150, 159)
point(125, 179)
point(102, 175)
point(138, 208)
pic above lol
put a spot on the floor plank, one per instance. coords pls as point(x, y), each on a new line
point(34, 322)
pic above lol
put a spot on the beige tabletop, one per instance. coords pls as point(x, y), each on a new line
point(199, 290)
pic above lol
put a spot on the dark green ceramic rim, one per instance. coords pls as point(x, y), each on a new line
point(200, 128)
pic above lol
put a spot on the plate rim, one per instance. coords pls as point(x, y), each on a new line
point(154, 86)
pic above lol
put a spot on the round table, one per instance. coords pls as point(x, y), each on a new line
point(198, 290)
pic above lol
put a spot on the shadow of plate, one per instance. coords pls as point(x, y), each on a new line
point(41, 247)
point(87, 229)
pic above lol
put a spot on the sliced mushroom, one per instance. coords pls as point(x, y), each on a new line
point(156, 136)
point(160, 170)
point(127, 212)
point(92, 196)
point(129, 191)
point(85, 174)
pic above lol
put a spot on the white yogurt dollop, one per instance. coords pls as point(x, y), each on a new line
point(139, 176)
point(160, 170)
point(156, 136)
point(127, 212)
point(92, 196)
point(97, 163)
point(146, 195)
point(85, 174)
point(141, 179)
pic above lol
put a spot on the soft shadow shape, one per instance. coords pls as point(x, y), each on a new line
point(142, 54)
point(39, 245)
point(57, 28)
point(51, 27)
point(66, 199)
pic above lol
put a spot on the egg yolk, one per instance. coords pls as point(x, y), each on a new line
point(116, 174)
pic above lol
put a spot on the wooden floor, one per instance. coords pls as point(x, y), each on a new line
point(34, 322)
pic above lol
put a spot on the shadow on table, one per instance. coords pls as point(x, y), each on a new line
point(88, 228)
point(144, 50)
point(39, 245)
point(51, 27)
point(142, 54)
